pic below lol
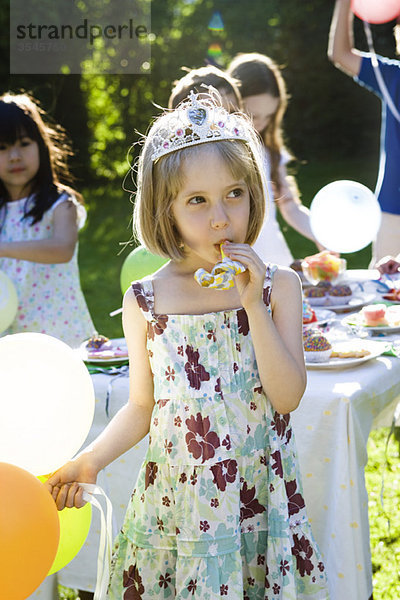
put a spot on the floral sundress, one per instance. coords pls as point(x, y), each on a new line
point(50, 299)
point(218, 508)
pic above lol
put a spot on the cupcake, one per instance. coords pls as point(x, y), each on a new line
point(316, 296)
point(317, 348)
point(324, 285)
point(98, 343)
point(339, 294)
point(309, 315)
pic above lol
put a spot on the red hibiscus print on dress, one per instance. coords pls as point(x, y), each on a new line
point(224, 472)
point(133, 582)
point(150, 475)
point(250, 506)
point(280, 423)
point(162, 402)
point(277, 465)
point(164, 581)
point(296, 501)
point(140, 297)
point(157, 326)
point(201, 442)
point(192, 586)
point(218, 388)
point(195, 372)
point(267, 295)
point(302, 551)
point(211, 335)
point(227, 442)
point(170, 373)
point(243, 322)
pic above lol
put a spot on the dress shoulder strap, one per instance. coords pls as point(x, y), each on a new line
point(144, 295)
point(268, 280)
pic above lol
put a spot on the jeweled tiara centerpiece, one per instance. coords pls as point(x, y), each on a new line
point(197, 120)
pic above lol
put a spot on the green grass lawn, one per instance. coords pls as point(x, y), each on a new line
point(101, 258)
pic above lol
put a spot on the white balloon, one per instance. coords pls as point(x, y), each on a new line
point(345, 216)
point(8, 301)
point(46, 402)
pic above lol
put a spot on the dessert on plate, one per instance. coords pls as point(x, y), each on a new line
point(374, 315)
point(323, 266)
point(101, 347)
point(339, 294)
point(309, 315)
point(316, 296)
point(316, 346)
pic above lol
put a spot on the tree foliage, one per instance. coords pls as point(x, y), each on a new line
point(327, 114)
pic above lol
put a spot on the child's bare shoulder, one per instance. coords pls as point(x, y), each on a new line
point(285, 281)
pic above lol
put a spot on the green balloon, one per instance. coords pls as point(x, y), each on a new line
point(138, 264)
point(74, 528)
point(8, 301)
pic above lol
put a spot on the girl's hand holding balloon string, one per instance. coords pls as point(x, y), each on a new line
point(63, 485)
point(250, 283)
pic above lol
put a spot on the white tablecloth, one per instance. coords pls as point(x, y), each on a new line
point(331, 427)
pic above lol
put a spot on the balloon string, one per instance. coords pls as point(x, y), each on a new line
point(105, 545)
point(385, 93)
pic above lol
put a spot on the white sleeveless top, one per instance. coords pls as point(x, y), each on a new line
point(271, 245)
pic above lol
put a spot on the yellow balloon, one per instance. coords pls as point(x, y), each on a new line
point(8, 301)
point(74, 529)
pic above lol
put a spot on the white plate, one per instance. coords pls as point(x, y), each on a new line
point(356, 321)
point(98, 360)
point(356, 301)
point(323, 316)
point(375, 348)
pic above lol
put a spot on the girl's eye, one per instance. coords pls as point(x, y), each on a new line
point(236, 193)
point(3, 147)
point(196, 200)
point(25, 141)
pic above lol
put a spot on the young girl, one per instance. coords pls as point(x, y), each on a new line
point(39, 221)
point(263, 90)
point(218, 509)
point(196, 79)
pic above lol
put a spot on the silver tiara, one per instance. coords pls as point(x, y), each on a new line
point(197, 120)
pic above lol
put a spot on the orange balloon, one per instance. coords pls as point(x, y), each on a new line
point(29, 532)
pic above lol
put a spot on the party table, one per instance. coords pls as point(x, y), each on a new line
point(331, 426)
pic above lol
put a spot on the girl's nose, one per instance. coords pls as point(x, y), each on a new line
point(219, 218)
point(14, 153)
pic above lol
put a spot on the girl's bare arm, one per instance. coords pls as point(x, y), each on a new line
point(59, 248)
point(128, 426)
point(341, 49)
point(277, 340)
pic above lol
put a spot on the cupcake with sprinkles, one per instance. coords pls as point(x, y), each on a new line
point(339, 294)
point(315, 295)
point(317, 348)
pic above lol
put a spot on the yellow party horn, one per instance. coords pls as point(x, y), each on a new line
point(222, 275)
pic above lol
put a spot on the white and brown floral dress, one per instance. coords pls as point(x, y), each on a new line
point(218, 510)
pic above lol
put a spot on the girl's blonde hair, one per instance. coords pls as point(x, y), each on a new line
point(259, 74)
point(159, 182)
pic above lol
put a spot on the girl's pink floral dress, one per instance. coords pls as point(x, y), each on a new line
point(218, 510)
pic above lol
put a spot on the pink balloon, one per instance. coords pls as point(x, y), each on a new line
point(376, 11)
